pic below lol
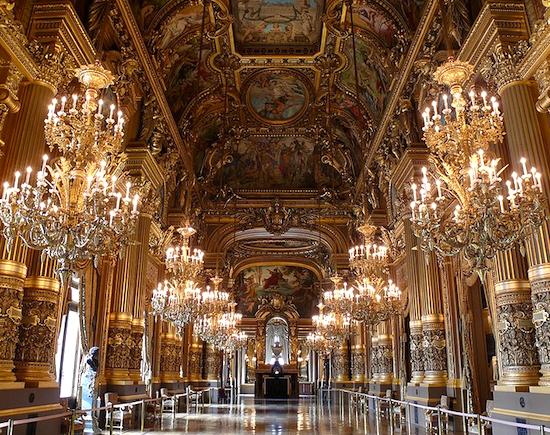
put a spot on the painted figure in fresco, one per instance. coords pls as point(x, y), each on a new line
point(274, 278)
point(295, 283)
point(277, 21)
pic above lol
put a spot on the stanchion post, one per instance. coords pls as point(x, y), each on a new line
point(439, 420)
point(10, 427)
point(542, 429)
point(71, 427)
point(479, 425)
point(409, 417)
point(111, 417)
point(143, 415)
point(390, 411)
point(175, 405)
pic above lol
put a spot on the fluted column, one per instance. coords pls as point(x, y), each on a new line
point(433, 325)
point(526, 138)
point(143, 229)
point(23, 136)
point(35, 358)
point(415, 314)
point(119, 341)
point(24, 130)
point(12, 278)
point(340, 363)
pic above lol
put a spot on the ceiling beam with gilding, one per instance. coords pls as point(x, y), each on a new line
point(428, 15)
point(155, 82)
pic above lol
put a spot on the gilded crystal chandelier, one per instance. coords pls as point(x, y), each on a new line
point(77, 207)
point(182, 261)
point(340, 299)
point(372, 302)
point(465, 208)
point(177, 302)
point(316, 342)
point(334, 327)
point(220, 330)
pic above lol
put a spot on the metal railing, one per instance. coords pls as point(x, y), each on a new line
point(473, 423)
point(75, 414)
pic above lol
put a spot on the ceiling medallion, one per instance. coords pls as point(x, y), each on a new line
point(277, 96)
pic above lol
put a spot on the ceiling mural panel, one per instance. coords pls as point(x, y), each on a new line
point(296, 283)
point(277, 26)
point(278, 96)
point(267, 162)
point(373, 79)
point(185, 79)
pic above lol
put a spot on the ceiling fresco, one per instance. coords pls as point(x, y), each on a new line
point(285, 162)
point(277, 96)
point(268, 27)
point(295, 283)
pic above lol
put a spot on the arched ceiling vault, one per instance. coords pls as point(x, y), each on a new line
point(277, 112)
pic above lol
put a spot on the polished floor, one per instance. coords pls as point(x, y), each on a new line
point(304, 416)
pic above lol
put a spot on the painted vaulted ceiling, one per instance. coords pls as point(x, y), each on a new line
point(268, 87)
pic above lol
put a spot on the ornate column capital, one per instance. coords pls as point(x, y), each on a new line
point(501, 64)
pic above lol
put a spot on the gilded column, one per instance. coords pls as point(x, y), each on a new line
point(23, 135)
point(12, 278)
point(213, 363)
point(515, 330)
point(140, 293)
point(35, 358)
point(433, 325)
point(358, 354)
point(525, 138)
point(384, 354)
point(24, 130)
point(340, 363)
point(119, 340)
point(415, 315)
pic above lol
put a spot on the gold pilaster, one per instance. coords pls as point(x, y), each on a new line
point(169, 358)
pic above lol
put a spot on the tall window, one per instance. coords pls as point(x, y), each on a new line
point(68, 346)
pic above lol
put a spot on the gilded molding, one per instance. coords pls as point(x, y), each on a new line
point(430, 10)
point(14, 41)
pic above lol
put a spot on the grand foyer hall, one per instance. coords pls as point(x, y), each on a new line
point(274, 216)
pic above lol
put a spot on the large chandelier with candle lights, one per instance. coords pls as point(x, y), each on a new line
point(79, 206)
point(373, 299)
point(183, 261)
point(335, 327)
point(179, 299)
point(221, 330)
point(465, 208)
point(317, 342)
